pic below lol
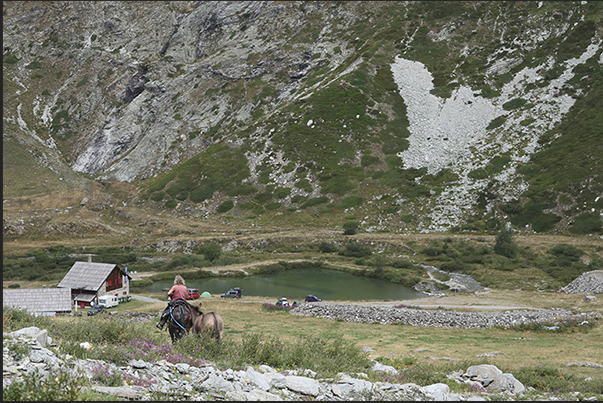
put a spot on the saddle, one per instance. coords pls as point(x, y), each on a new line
point(179, 311)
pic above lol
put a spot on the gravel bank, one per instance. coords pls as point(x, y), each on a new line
point(587, 283)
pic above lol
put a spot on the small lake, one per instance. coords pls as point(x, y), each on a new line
point(295, 284)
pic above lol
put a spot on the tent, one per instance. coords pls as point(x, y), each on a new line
point(205, 294)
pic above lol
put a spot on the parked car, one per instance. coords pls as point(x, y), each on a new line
point(96, 309)
point(284, 302)
point(296, 303)
point(193, 293)
point(312, 298)
point(232, 293)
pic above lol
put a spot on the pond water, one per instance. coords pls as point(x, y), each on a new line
point(296, 284)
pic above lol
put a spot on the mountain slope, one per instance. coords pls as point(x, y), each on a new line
point(404, 116)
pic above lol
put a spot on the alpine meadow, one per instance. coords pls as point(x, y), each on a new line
point(451, 147)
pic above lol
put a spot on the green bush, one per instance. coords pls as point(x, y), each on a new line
point(587, 223)
point(212, 251)
point(158, 196)
point(356, 249)
point(350, 227)
point(552, 379)
point(34, 65)
point(171, 204)
point(281, 193)
point(226, 206)
point(314, 201)
point(327, 247)
point(9, 58)
point(566, 251)
point(504, 245)
point(514, 104)
point(351, 201)
point(34, 386)
point(497, 122)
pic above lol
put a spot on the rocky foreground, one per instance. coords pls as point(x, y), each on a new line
point(165, 380)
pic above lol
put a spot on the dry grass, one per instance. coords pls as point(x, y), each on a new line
point(514, 349)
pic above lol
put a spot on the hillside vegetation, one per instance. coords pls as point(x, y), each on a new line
point(404, 116)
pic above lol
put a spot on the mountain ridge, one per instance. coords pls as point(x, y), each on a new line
point(263, 110)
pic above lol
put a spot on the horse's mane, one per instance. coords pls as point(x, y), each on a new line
point(196, 308)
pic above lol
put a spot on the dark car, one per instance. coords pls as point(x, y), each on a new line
point(312, 298)
point(232, 293)
point(96, 309)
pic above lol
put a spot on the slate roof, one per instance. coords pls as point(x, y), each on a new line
point(85, 297)
point(87, 276)
point(38, 300)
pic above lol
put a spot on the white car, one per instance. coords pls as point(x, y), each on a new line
point(283, 302)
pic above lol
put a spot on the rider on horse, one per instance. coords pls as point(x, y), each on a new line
point(178, 292)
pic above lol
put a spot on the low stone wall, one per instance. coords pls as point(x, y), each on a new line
point(434, 317)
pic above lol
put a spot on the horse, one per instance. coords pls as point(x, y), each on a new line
point(180, 320)
point(210, 322)
point(184, 317)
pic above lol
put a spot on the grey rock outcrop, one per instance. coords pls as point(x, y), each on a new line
point(493, 379)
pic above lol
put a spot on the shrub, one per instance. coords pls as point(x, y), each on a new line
point(212, 251)
point(326, 247)
point(356, 249)
point(171, 204)
point(226, 206)
point(9, 58)
point(496, 122)
point(35, 387)
point(157, 196)
point(314, 201)
point(587, 223)
point(350, 227)
point(281, 193)
point(514, 104)
point(351, 201)
point(504, 245)
point(34, 65)
point(566, 251)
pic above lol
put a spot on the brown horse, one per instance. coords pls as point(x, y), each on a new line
point(210, 322)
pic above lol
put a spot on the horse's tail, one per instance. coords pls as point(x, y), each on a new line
point(216, 330)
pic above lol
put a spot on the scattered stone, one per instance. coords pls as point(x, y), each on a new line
point(583, 364)
point(490, 354)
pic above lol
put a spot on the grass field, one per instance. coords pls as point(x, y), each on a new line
point(514, 349)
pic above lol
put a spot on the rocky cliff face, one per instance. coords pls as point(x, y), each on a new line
point(406, 116)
